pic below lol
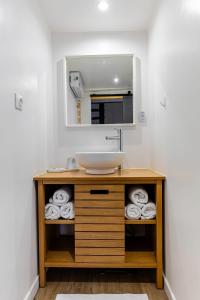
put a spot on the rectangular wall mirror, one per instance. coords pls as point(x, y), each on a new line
point(99, 90)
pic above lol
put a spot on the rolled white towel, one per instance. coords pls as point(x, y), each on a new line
point(149, 211)
point(67, 211)
point(133, 212)
point(138, 196)
point(52, 212)
point(61, 196)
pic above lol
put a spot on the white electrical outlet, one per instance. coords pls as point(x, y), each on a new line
point(142, 117)
point(19, 102)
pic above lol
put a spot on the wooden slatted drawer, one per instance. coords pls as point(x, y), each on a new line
point(99, 223)
point(111, 188)
point(99, 204)
point(99, 192)
point(99, 251)
point(99, 235)
point(99, 227)
point(100, 212)
point(99, 200)
point(99, 196)
point(100, 259)
point(100, 243)
point(99, 220)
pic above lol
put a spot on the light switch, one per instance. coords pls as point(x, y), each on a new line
point(19, 102)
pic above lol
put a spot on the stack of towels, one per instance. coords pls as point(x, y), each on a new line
point(140, 206)
point(59, 205)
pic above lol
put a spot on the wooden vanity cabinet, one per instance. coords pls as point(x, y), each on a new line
point(99, 228)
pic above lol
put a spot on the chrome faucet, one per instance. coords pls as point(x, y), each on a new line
point(118, 137)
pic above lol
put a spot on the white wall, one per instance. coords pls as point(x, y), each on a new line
point(69, 140)
point(174, 73)
point(25, 68)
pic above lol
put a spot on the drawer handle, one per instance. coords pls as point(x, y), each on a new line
point(99, 192)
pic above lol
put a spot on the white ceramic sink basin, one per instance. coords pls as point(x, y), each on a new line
point(100, 162)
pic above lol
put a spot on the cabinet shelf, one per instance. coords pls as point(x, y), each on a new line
point(133, 259)
point(59, 259)
point(140, 259)
point(140, 222)
point(136, 222)
point(60, 221)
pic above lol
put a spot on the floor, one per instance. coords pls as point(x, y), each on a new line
point(62, 281)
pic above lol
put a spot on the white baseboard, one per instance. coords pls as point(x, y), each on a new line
point(33, 289)
point(168, 289)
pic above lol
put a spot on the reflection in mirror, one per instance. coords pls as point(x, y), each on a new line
point(100, 89)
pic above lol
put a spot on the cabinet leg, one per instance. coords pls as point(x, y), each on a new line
point(42, 233)
point(159, 249)
point(159, 278)
point(42, 276)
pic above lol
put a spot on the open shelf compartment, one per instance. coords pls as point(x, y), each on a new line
point(60, 244)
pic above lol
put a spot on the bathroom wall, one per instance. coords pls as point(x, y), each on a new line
point(69, 140)
point(25, 68)
point(174, 64)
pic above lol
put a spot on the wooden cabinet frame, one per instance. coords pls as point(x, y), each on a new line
point(134, 259)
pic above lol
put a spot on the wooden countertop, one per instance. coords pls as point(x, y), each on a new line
point(124, 174)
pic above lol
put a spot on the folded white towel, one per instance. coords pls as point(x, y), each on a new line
point(138, 196)
point(61, 196)
point(67, 211)
point(52, 212)
point(149, 211)
point(133, 212)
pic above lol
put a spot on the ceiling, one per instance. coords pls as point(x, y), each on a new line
point(84, 16)
point(98, 72)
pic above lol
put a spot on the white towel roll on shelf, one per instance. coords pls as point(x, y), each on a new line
point(52, 212)
point(149, 211)
point(133, 212)
point(67, 211)
point(61, 196)
point(138, 196)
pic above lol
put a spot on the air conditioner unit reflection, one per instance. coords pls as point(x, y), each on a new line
point(76, 83)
